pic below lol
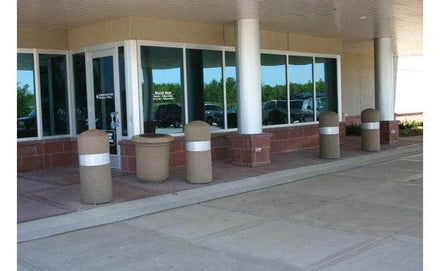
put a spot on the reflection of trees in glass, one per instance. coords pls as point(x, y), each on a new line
point(231, 94)
point(25, 100)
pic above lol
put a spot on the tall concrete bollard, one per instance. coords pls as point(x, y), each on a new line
point(329, 136)
point(198, 152)
point(370, 130)
point(94, 167)
point(152, 156)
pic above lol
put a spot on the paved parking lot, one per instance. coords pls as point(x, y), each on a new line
point(363, 218)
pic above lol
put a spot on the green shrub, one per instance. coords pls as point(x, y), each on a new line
point(410, 128)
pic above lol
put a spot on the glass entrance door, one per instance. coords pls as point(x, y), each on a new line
point(105, 99)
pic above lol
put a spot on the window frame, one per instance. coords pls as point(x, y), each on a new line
point(36, 52)
point(134, 106)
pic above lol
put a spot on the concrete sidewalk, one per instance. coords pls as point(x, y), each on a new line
point(363, 213)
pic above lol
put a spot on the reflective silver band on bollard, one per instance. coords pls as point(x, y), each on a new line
point(329, 130)
point(98, 159)
point(198, 145)
point(370, 125)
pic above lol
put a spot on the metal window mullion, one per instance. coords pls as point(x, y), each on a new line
point(225, 104)
point(185, 89)
point(339, 80)
point(70, 94)
point(288, 89)
point(314, 89)
point(132, 88)
point(38, 94)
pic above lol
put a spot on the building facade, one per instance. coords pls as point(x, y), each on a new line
point(258, 89)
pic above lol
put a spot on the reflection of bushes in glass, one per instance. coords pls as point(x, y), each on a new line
point(214, 92)
point(231, 93)
point(25, 100)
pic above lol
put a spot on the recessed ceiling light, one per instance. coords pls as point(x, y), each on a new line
point(363, 17)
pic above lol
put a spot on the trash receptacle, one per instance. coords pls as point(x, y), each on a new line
point(370, 130)
point(329, 135)
point(152, 156)
point(94, 167)
point(198, 152)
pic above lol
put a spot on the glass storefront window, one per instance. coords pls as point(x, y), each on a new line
point(54, 97)
point(80, 90)
point(326, 85)
point(231, 89)
point(162, 80)
point(273, 89)
point(205, 87)
point(26, 109)
point(301, 89)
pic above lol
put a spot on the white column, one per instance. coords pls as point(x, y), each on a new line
point(247, 36)
point(384, 77)
point(132, 88)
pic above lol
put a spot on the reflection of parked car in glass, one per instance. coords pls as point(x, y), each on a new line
point(26, 126)
point(308, 106)
point(275, 112)
point(298, 113)
point(213, 114)
point(168, 114)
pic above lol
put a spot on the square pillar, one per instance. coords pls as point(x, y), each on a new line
point(250, 150)
point(389, 131)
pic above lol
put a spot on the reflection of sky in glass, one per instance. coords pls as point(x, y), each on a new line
point(166, 76)
point(300, 74)
point(273, 75)
point(210, 74)
point(26, 77)
point(319, 71)
point(230, 72)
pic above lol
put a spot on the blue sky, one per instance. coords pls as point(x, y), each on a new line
point(26, 77)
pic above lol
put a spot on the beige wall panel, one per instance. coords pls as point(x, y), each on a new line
point(350, 60)
point(273, 40)
point(367, 88)
point(229, 35)
point(367, 61)
point(143, 28)
point(99, 33)
point(41, 38)
point(312, 44)
point(350, 91)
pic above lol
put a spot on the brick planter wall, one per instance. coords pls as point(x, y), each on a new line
point(219, 147)
point(48, 153)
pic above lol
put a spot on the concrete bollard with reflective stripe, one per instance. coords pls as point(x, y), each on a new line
point(370, 130)
point(329, 135)
point(94, 167)
point(198, 152)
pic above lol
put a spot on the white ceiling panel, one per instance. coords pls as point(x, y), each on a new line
point(346, 19)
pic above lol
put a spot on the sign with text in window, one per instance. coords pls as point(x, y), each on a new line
point(111, 137)
point(104, 96)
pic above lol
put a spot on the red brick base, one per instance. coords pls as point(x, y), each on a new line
point(48, 153)
point(250, 150)
point(39, 154)
point(389, 131)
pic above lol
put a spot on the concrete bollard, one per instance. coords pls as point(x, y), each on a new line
point(94, 167)
point(198, 152)
point(152, 156)
point(329, 136)
point(370, 130)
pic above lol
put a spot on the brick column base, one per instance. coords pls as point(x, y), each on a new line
point(250, 150)
point(389, 131)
